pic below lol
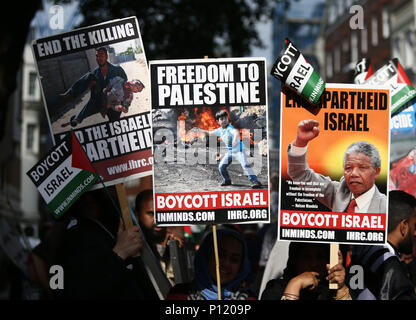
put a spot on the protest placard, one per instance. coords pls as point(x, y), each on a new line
point(393, 75)
point(403, 150)
point(363, 70)
point(318, 178)
point(294, 71)
point(63, 175)
point(210, 169)
point(95, 82)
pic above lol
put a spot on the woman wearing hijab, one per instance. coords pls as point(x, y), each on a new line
point(234, 267)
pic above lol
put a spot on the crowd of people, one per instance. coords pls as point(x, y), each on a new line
point(102, 259)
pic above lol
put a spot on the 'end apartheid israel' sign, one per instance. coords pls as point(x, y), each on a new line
point(63, 175)
point(330, 157)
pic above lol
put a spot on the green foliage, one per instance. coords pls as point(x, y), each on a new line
point(173, 29)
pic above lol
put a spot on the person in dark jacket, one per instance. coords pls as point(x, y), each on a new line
point(99, 256)
point(385, 276)
point(156, 237)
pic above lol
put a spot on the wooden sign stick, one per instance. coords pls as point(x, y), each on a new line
point(217, 262)
point(124, 206)
point(156, 275)
point(333, 260)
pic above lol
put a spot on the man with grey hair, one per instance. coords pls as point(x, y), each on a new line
point(356, 191)
point(366, 148)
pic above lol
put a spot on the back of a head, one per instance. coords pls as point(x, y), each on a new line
point(401, 206)
point(141, 197)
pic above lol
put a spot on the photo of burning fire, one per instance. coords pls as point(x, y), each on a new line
point(187, 158)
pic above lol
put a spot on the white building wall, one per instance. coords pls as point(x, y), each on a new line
point(30, 129)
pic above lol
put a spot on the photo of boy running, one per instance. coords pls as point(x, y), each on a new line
point(231, 138)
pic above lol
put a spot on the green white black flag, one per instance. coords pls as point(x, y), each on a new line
point(363, 70)
point(401, 89)
point(294, 71)
point(63, 175)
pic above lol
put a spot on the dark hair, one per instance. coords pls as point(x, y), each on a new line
point(220, 114)
point(141, 197)
point(97, 204)
point(402, 205)
point(102, 49)
point(295, 252)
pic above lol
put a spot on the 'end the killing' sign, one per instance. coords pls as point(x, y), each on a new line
point(63, 175)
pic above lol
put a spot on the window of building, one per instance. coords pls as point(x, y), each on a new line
point(374, 31)
point(386, 23)
point(340, 7)
point(329, 71)
point(346, 51)
point(348, 4)
point(354, 47)
point(30, 137)
point(335, 10)
point(397, 50)
point(32, 83)
point(364, 40)
point(408, 48)
point(331, 13)
point(337, 59)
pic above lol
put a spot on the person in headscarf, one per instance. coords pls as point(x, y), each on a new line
point(307, 275)
point(234, 267)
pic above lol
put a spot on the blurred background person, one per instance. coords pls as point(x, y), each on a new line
point(234, 267)
point(307, 275)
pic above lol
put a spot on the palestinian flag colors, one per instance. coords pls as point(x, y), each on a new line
point(187, 232)
point(295, 72)
point(363, 70)
point(401, 89)
point(63, 175)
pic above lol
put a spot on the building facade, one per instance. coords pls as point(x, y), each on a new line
point(301, 23)
point(403, 36)
point(27, 135)
point(356, 30)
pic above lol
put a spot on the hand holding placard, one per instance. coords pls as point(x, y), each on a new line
point(129, 242)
